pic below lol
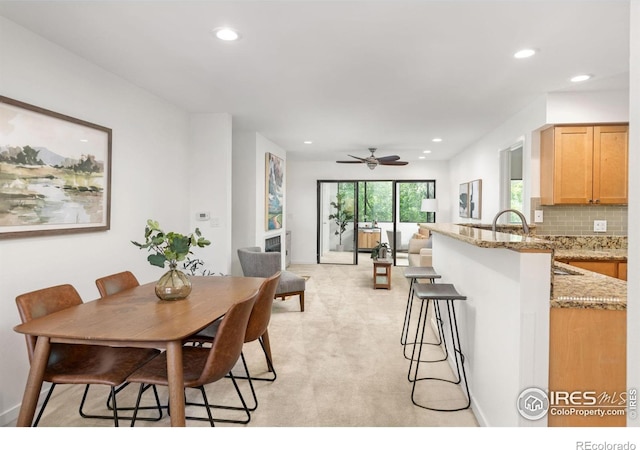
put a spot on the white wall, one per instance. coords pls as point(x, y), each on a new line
point(150, 165)
point(210, 187)
point(588, 107)
point(481, 161)
point(302, 205)
point(249, 187)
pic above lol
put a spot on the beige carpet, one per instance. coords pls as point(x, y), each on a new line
point(339, 364)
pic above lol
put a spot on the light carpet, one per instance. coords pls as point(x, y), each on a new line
point(339, 364)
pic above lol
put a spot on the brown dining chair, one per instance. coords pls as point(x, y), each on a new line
point(204, 365)
point(110, 285)
point(77, 363)
point(115, 283)
point(257, 330)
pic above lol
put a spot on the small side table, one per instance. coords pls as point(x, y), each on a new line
point(382, 274)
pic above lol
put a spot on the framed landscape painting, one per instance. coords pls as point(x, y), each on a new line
point(55, 172)
point(274, 191)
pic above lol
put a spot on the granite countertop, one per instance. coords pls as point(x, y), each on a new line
point(592, 255)
point(488, 239)
point(583, 289)
point(586, 289)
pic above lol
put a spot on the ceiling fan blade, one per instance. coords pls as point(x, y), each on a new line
point(388, 158)
point(393, 163)
point(358, 158)
point(350, 162)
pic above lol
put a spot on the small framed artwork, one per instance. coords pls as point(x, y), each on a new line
point(463, 200)
point(273, 191)
point(475, 199)
point(55, 172)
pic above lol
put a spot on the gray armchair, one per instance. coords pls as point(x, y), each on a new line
point(256, 263)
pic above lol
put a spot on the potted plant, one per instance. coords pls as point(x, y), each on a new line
point(170, 247)
point(342, 216)
point(380, 251)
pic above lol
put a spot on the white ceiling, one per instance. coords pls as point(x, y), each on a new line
point(347, 75)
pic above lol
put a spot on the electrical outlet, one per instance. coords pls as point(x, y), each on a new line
point(600, 225)
point(538, 216)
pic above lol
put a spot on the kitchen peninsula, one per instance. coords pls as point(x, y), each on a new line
point(504, 323)
point(524, 326)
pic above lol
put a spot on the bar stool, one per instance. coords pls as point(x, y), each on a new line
point(436, 293)
point(414, 274)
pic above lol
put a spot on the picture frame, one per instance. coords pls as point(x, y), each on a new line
point(274, 176)
point(463, 200)
point(55, 172)
point(475, 199)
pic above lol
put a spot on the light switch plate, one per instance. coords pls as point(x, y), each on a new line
point(600, 225)
point(538, 216)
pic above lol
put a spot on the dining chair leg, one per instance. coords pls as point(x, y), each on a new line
point(266, 348)
point(158, 406)
point(44, 404)
point(209, 406)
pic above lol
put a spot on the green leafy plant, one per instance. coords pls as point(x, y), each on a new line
point(375, 251)
point(342, 216)
point(171, 247)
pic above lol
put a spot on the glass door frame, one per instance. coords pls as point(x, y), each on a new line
point(321, 218)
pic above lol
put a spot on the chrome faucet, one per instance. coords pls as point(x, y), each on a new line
point(525, 227)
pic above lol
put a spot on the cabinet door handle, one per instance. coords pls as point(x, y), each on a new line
point(598, 201)
point(590, 200)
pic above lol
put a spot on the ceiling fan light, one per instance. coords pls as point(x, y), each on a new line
point(371, 164)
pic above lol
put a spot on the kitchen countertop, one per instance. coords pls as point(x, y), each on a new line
point(488, 239)
point(592, 255)
point(587, 289)
point(584, 289)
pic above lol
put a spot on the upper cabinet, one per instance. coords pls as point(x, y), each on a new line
point(584, 165)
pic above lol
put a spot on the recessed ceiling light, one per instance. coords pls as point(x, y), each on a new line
point(226, 34)
point(422, 157)
point(427, 151)
point(84, 140)
point(524, 53)
point(436, 140)
point(308, 142)
point(579, 78)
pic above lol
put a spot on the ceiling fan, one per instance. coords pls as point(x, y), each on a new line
point(372, 161)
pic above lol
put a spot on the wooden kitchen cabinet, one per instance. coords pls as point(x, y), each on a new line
point(615, 269)
point(368, 238)
point(583, 165)
point(587, 353)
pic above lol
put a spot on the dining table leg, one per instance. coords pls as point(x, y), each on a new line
point(176, 383)
point(34, 382)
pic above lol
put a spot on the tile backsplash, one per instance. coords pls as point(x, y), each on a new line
point(577, 220)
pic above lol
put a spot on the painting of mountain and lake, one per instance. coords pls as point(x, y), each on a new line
point(54, 172)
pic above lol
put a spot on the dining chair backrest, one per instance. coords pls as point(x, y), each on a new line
point(227, 344)
point(261, 313)
point(42, 302)
point(115, 283)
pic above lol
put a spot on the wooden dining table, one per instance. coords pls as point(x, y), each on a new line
point(135, 318)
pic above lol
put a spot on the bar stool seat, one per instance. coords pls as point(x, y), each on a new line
point(415, 273)
point(437, 292)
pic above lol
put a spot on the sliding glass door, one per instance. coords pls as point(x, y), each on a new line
point(355, 216)
point(408, 214)
point(337, 236)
